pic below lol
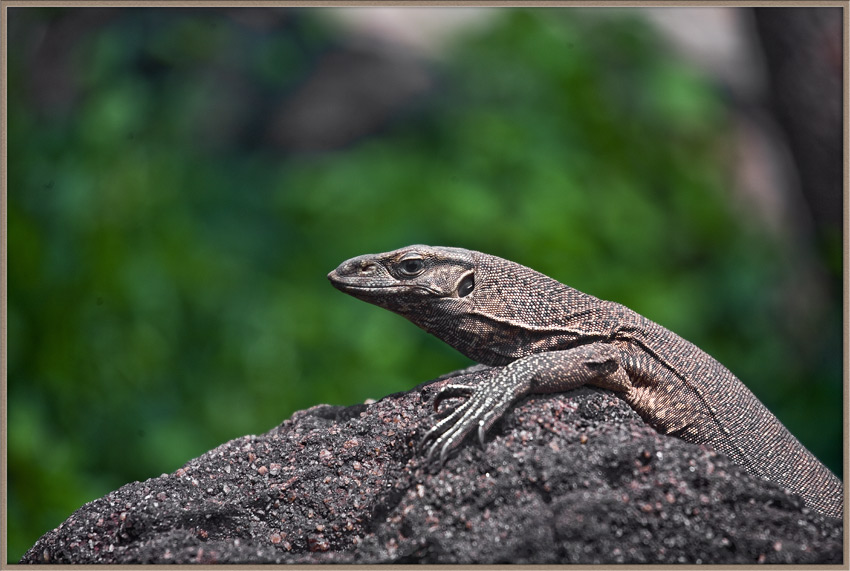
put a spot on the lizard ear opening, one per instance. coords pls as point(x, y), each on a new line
point(466, 285)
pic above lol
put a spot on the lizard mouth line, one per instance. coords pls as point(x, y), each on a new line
point(380, 289)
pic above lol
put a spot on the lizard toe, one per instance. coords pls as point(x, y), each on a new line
point(451, 391)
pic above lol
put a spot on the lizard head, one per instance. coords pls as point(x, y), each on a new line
point(490, 309)
point(408, 280)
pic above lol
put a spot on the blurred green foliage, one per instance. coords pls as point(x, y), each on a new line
point(166, 284)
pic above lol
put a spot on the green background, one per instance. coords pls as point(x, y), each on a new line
point(166, 278)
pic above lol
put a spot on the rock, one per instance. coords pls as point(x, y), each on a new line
point(565, 478)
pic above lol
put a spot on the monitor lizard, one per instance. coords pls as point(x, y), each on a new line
point(549, 337)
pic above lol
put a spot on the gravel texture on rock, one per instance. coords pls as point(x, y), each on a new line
point(576, 477)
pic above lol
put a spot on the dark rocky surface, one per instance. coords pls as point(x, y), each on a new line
point(565, 478)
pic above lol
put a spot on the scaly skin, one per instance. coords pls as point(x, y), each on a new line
point(551, 338)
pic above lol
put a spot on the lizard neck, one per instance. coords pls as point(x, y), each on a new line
point(516, 311)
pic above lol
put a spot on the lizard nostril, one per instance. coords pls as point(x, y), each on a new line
point(367, 268)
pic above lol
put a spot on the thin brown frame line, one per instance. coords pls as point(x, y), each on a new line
point(426, 3)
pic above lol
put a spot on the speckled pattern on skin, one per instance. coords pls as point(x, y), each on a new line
point(550, 338)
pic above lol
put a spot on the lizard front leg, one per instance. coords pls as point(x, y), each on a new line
point(597, 364)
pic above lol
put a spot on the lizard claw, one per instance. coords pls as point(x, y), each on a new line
point(444, 453)
point(450, 391)
point(431, 450)
point(485, 405)
point(434, 433)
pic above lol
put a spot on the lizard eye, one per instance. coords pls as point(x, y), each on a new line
point(411, 267)
point(466, 285)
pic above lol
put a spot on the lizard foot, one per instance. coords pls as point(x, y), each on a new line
point(550, 371)
point(487, 402)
